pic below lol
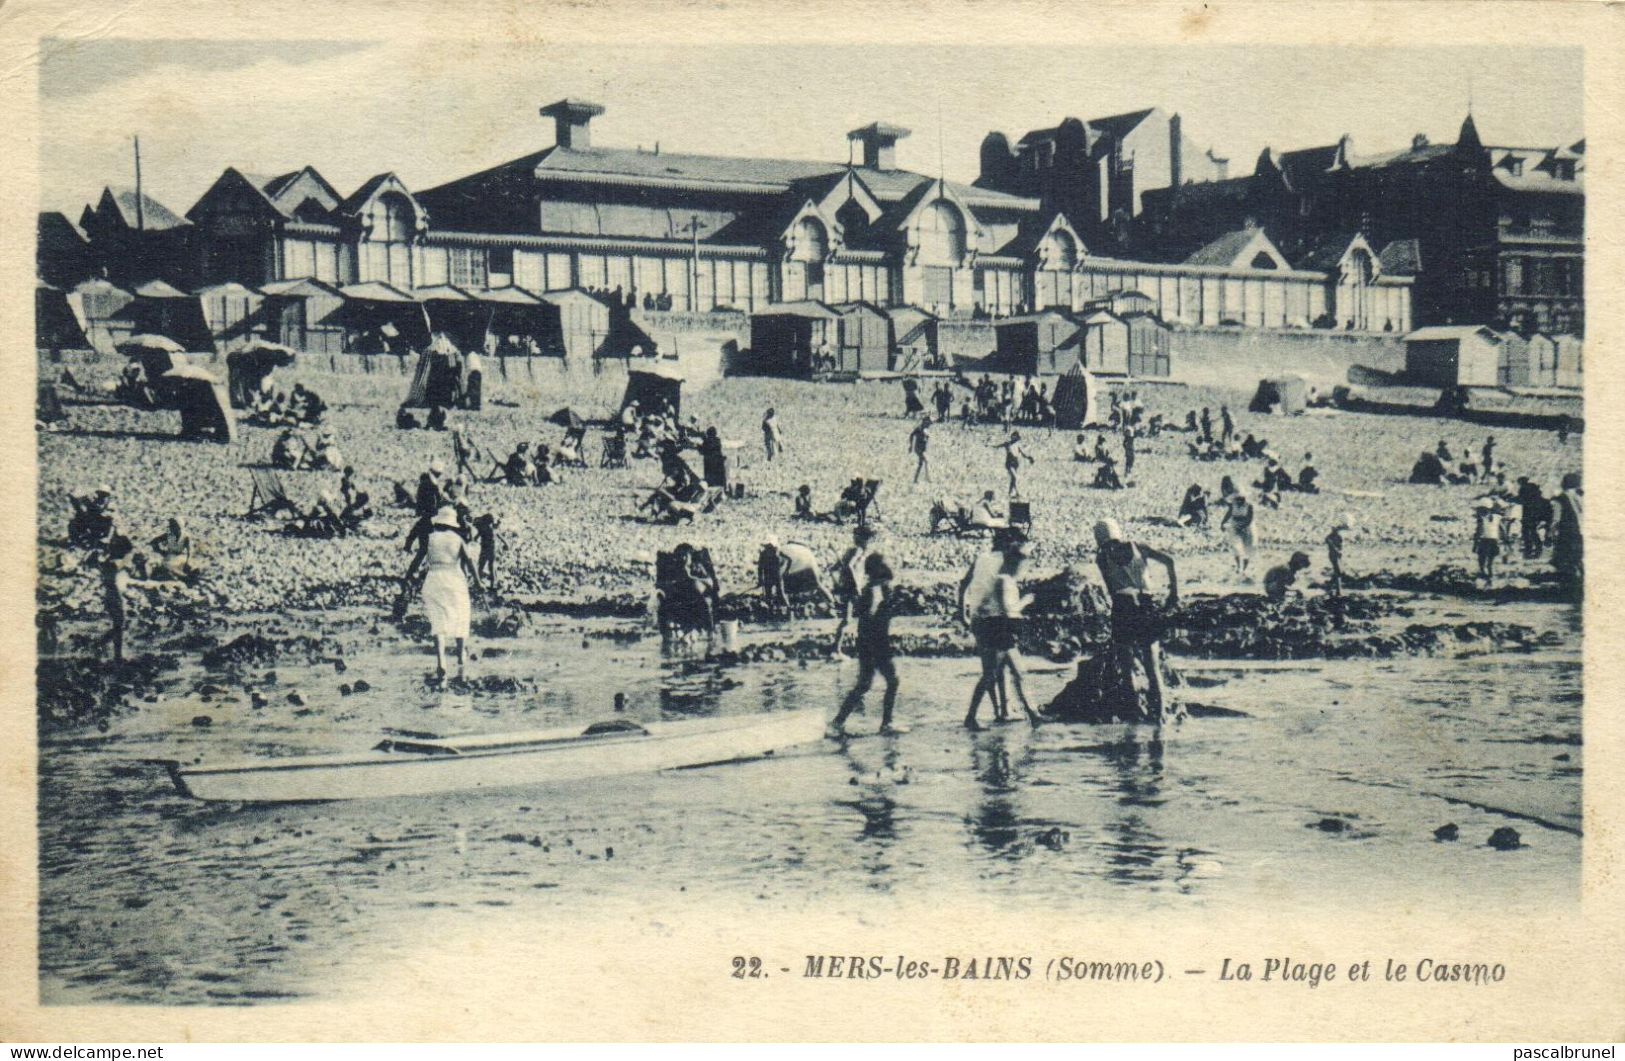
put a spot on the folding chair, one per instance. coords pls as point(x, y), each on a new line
point(269, 495)
point(614, 451)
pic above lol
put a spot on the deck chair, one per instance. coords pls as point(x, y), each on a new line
point(576, 441)
point(269, 495)
point(614, 451)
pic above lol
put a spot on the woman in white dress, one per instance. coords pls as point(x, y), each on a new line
point(450, 565)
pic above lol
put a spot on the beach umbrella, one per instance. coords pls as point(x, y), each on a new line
point(567, 419)
point(193, 372)
point(146, 343)
point(266, 351)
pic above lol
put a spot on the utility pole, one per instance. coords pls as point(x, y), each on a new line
point(693, 230)
point(140, 209)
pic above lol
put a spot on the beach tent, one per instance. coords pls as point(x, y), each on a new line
point(158, 355)
point(1541, 358)
point(247, 368)
point(1289, 394)
point(1512, 360)
point(1076, 394)
point(438, 380)
point(1045, 342)
point(511, 317)
point(382, 319)
point(1567, 355)
point(200, 396)
point(453, 313)
point(1148, 346)
point(577, 326)
point(651, 384)
point(1453, 355)
point(56, 327)
point(96, 304)
point(785, 338)
point(865, 338)
point(232, 314)
point(162, 309)
point(913, 338)
point(304, 314)
point(47, 406)
point(1104, 340)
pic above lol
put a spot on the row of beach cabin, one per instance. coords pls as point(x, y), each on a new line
point(1475, 355)
point(316, 317)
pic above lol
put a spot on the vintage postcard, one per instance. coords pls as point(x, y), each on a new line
point(901, 522)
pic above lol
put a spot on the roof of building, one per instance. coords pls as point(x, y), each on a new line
point(297, 288)
point(807, 309)
point(1326, 253)
point(159, 289)
point(64, 225)
point(1120, 125)
point(510, 296)
point(358, 198)
point(649, 165)
point(375, 291)
point(1453, 331)
point(441, 293)
point(1402, 257)
point(1224, 250)
point(155, 216)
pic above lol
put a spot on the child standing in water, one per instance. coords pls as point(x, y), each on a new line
point(875, 610)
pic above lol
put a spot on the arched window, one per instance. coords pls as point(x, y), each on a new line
point(1060, 251)
point(812, 243)
point(397, 220)
point(942, 235)
point(1361, 269)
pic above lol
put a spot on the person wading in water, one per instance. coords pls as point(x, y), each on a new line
point(993, 606)
point(1136, 626)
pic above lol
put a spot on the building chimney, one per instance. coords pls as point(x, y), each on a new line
point(1419, 141)
point(1176, 168)
point(879, 144)
point(572, 119)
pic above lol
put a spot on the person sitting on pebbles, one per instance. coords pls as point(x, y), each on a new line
point(1282, 578)
point(987, 515)
point(327, 452)
point(804, 503)
point(288, 452)
point(1193, 509)
point(1307, 476)
point(173, 551)
point(517, 470)
point(1106, 478)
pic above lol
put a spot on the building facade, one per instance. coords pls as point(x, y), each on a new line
point(700, 233)
point(1493, 235)
point(1097, 171)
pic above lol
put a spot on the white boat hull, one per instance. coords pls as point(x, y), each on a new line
point(489, 763)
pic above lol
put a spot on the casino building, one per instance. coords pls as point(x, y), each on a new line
point(688, 233)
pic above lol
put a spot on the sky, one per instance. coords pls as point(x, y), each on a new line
point(353, 109)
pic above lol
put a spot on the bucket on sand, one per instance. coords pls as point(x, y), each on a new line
point(730, 635)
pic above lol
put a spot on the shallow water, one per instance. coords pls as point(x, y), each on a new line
point(149, 897)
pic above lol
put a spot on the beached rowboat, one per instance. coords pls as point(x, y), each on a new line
point(427, 766)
